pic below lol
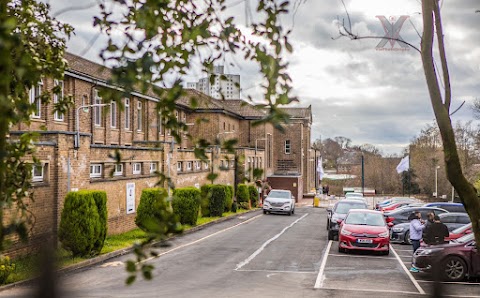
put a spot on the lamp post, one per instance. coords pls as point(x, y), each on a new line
point(77, 122)
point(436, 181)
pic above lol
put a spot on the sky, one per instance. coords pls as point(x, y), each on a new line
point(356, 91)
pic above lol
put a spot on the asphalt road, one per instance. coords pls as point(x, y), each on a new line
point(255, 256)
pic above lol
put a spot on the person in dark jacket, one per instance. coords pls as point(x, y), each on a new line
point(436, 232)
point(430, 216)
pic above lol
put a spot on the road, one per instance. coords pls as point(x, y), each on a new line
point(255, 255)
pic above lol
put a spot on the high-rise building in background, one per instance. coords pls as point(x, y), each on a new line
point(224, 84)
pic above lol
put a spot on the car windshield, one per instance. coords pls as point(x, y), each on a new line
point(279, 194)
point(365, 219)
point(461, 229)
point(464, 239)
point(344, 207)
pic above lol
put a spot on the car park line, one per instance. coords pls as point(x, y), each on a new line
point(320, 276)
point(276, 271)
point(261, 248)
point(357, 256)
point(201, 239)
point(373, 290)
point(414, 281)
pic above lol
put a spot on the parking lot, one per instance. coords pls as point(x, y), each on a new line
point(366, 272)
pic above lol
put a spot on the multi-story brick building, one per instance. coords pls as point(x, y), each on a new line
point(75, 149)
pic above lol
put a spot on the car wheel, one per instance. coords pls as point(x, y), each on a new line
point(455, 269)
point(341, 249)
point(331, 235)
point(406, 238)
point(386, 253)
point(293, 211)
point(290, 213)
point(265, 212)
point(328, 224)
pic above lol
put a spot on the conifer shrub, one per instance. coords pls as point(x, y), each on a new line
point(79, 224)
point(253, 192)
point(217, 200)
point(243, 196)
point(186, 204)
point(154, 214)
point(100, 198)
point(205, 193)
point(229, 197)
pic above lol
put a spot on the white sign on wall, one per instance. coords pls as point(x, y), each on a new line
point(130, 198)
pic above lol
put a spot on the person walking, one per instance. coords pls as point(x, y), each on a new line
point(416, 228)
point(327, 189)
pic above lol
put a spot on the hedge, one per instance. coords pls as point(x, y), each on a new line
point(217, 200)
point(80, 223)
point(186, 204)
point(205, 193)
point(100, 198)
point(253, 192)
point(229, 197)
point(242, 194)
point(154, 214)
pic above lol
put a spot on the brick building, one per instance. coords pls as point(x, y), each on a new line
point(75, 148)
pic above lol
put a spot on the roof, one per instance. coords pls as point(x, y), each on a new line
point(88, 67)
point(243, 108)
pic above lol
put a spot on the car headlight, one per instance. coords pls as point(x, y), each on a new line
point(286, 206)
point(429, 251)
point(398, 229)
point(345, 232)
point(384, 234)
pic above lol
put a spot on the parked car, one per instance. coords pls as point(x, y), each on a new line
point(364, 230)
point(350, 195)
point(450, 207)
point(456, 260)
point(337, 214)
point(401, 215)
point(394, 200)
point(400, 233)
point(393, 206)
point(279, 201)
point(460, 232)
point(454, 220)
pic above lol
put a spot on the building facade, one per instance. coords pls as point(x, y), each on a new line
point(221, 86)
point(75, 149)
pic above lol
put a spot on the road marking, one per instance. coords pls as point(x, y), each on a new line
point(320, 276)
point(275, 271)
point(414, 281)
point(201, 239)
point(409, 250)
point(111, 264)
point(404, 256)
point(258, 251)
point(357, 256)
point(371, 290)
point(453, 282)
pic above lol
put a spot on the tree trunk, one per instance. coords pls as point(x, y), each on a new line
point(466, 191)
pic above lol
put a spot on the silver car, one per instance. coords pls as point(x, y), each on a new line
point(280, 201)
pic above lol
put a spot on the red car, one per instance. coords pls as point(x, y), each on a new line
point(393, 206)
point(459, 232)
point(364, 230)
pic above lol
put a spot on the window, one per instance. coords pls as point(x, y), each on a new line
point(96, 170)
point(189, 165)
point(137, 168)
point(113, 114)
point(232, 163)
point(37, 172)
point(118, 169)
point(35, 99)
point(179, 166)
point(224, 126)
point(58, 116)
point(127, 113)
point(153, 167)
point(197, 165)
point(205, 165)
point(139, 116)
point(287, 147)
point(97, 111)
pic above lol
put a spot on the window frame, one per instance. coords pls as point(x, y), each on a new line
point(35, 99)
point(189, 166)
point(179, 166)
point(139, 115)
point(97, 111)
point(113, 114)
point(153, 167)
point(127, 113)
point(137, 171)
point(118, 169)
point(57, 116)
point(95, 174)
point(287, 149)
point(38, 178)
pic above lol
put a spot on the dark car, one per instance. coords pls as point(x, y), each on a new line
point(337, 214)
point(456, 260)
point(450, 207)
point(401, 233)
point(401, 215)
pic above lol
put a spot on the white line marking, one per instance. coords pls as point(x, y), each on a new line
point(371, 290)
point(252, 256)
point(320, 276)
point(409, 250)
point(404, 256)
point(414, 281)
point(276, 271)
point(357, 256)
point(201, 239)
point(454, 282)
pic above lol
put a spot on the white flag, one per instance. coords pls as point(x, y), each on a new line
point(320, 169)
point(404, 165)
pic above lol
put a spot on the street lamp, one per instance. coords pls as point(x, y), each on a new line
point(77, 122)
point(436, 181)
